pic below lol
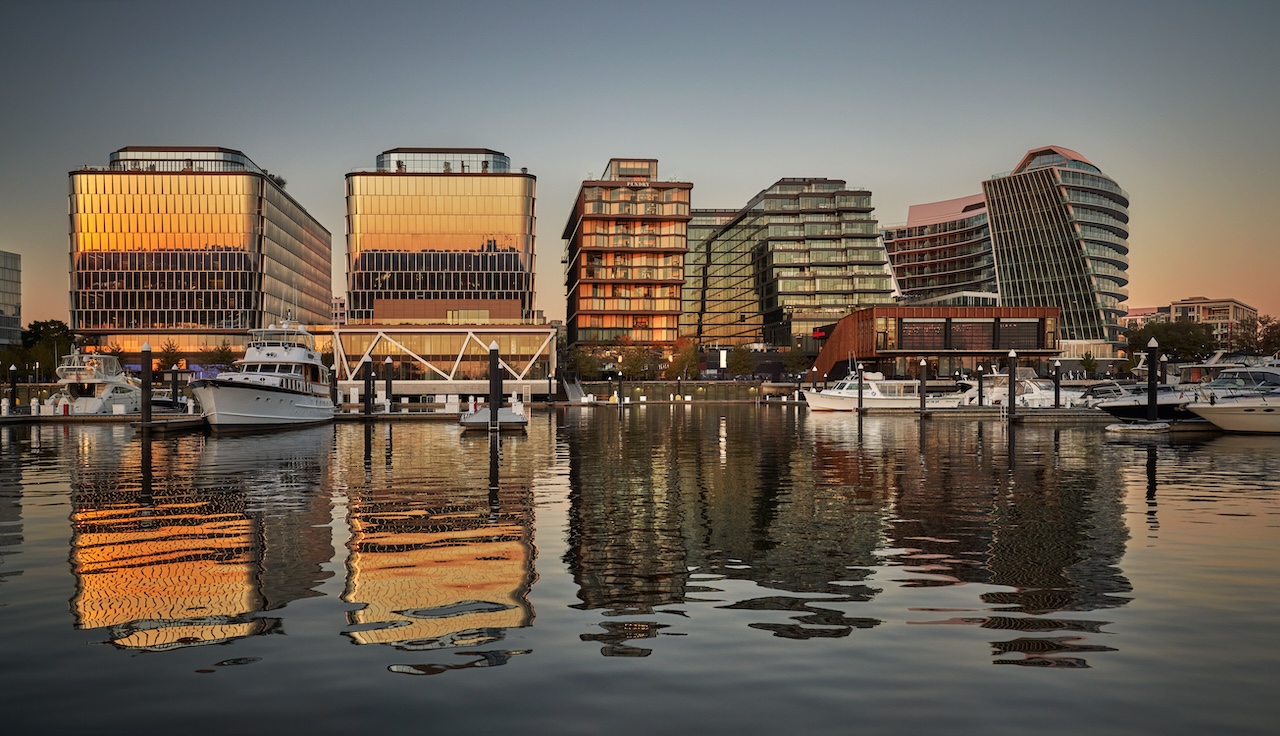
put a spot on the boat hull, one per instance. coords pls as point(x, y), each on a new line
point(1260, 416)
point(820, 401)
point(232, 405)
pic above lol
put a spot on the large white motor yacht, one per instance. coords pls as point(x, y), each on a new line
point(878, 393)
point(280, 381)
point(94, 383)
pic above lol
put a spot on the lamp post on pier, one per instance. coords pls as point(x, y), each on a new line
point(1057, 384)
point(859, 388)
point(1011, 397)
point(924, 376)
point(980, 372)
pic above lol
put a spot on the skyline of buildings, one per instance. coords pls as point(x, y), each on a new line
point(1052, 232)
point(164, 247)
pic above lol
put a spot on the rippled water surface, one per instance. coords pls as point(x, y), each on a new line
point(712, 569)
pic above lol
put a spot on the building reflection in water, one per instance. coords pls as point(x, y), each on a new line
point(10, 498)
point(664, 504)
point(436, 560)
point(183, 541)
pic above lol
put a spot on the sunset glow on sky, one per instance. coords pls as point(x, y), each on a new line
point(917, 101)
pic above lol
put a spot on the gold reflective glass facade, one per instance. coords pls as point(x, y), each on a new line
point(431, 239)
point(192, 256)
point(626, 242)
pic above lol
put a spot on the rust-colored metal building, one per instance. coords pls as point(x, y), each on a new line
point(892, 340)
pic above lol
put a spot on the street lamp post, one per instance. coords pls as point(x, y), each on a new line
point(1164, 368)
point(386, 374)
point(980, 372)
point(1153, 359)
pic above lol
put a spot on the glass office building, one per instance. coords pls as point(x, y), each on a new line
point(1052, 232)
point(440, 236)
point(1059, 231)
point(625, 245)
point(801, 255)
point(704, 224)
point(190, 245)
point(10, 298)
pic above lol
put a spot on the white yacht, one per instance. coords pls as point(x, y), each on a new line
point(1031, 391)
point(1173, 402)
point(94, 383)
point(878, 393)
point(1258, 413)
point(280, 381)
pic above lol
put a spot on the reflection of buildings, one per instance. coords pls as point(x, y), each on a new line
point(169, 558)
point(10, 497)
point(813, 505)
point(432, 564)
point(671, 502)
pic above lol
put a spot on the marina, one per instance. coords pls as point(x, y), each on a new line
point(742, 564)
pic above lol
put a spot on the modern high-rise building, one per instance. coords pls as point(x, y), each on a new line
point(800, 255)
point(1052, 232)
point(625, 244)
point(704, 224)
point(190, 245)
point(1225, 316)
point(10, 298)
point(440, 236)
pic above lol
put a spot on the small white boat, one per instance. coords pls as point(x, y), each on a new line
point(509, 417)
point(878, 393)
point(1031, 391)
point(279, 382)
point(1256, 414)
point(94, 383)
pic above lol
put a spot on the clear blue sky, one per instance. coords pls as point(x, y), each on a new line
point(918, 101)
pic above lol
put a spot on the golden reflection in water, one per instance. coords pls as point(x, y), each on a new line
point(442, 564)
point(165, 557)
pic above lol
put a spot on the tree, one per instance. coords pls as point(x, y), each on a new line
point(640, 363)
point(741, 362)
point(169, 355)
point(1260, 336)
point(114, 349)
point(1181, 341)
point(217, 358)
point(684, 364)
point(45, 343)
point(585, 364)
point(796, 362)
point(1089, 364)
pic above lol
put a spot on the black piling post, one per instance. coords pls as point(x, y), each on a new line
point(1012, 396)
point(495, 387)
point(924, 377)
point(859, 389)
point(146, 384)
point(1153, 360)
point(980, 372)
point(173, 385)
point(1057, 384)
point(386, 375)
point(368, 387)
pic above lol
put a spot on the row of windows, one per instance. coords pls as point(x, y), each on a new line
point(440, 186)
point(628, 321)
point(635, 194)
point(633, 227)
point(163, 223)
point(444, 347)
point(111, 204)
point(440, 242)
point(520, 282)
point(384, 262)
point(628, 305)
point(634, 259)
point(89, 299)
point(115, 319)
point(121, 242)
point(626, 273)
point(180, 184)
point(639, 336)
point(669, 209)
point(441, 205)
point(134, 261)
point(497, 224)
point(630, 290)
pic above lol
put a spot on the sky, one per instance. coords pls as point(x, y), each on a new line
point(917, 101)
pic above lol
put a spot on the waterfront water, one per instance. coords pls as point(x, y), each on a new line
point(711, 569)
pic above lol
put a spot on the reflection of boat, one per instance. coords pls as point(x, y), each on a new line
point(93, 383)
point(280, 381)
point(878, 393)
point(1258, 413)
point(1031, 391)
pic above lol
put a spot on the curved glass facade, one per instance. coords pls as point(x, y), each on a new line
point(944, 258)
point(440, 236)
point(192, 246)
